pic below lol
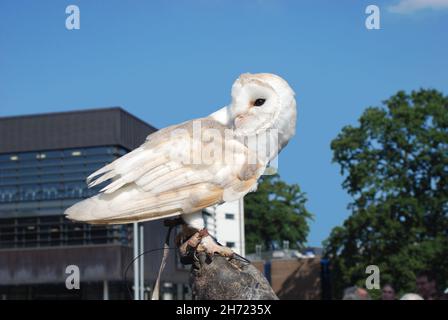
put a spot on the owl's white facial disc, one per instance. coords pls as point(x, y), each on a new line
point(261, 102)
point(254, 106)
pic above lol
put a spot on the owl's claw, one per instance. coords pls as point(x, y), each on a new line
point(216, 249)
point(190, 244)
point(210, 247)
point(201, 241)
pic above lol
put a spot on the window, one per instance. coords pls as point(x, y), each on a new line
point(74, 190)
point(8, 181)
point(73, 176)
point(8, 172)
point(56, 230)
point(51, 191)
point(54, 154)
point(230, 216)
point(230, 244)
point(51, 170)
point(7, 194)
point(31, 193)
point(28, 156)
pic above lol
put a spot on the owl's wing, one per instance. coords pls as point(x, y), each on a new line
point(159, 180)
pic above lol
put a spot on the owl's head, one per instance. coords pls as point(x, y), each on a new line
point(261, 102)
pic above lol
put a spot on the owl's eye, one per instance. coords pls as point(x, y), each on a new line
point(259, 102)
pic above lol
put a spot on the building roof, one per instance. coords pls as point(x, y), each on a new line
point(73, 129)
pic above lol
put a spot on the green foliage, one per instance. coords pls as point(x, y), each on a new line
point(395, 164)
point(275, 212)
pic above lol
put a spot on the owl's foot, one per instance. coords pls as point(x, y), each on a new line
point(210, 247)
point(191, 244)
point(201, 241)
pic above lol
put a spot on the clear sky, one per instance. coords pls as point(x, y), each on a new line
point(171, 61)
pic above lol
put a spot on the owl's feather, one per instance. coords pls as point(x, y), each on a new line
point(148, 183)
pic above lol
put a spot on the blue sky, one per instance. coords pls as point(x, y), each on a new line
point(170, 61)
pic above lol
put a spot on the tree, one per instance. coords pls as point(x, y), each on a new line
point(275, 212)
point(395, 164)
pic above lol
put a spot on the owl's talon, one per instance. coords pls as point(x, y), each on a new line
point(189, 247)
point(210, 247)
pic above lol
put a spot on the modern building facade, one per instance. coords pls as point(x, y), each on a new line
point(44, 161)
point(229, 225)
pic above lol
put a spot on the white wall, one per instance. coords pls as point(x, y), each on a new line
point(231, 230)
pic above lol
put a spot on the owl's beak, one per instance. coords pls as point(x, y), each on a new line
point(237, 119)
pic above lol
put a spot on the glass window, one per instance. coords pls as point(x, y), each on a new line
point(68, 202)
point(51, 178)
point(75, 176)
point(29, 170)
point(27, 156)
point(9, 165)
point(55, 203)
point(99, 151)
point(92, 167)
point(230, 216)
point(76, 233)
point(230, 244)
point(27, 205)
point(98, 234)
point(74, 167)
point(74, 190)
point(88, 160)
point(5, 157)
point(6, 181)
point(51, 211)
point(48, 162)
point(29, 179)
point(55, 230)
point(8, 172)
point(51, 191)
point(100, 158)
point(51, 170)
point(54, 154)
point(31, 193)
point(8, 194)
point(23, 191)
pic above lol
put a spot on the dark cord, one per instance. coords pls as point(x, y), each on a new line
point(132, 261)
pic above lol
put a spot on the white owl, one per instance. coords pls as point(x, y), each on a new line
point(182, 169)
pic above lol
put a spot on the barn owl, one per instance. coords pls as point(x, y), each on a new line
point(170, 174)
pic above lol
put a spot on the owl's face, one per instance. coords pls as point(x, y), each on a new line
point(260, 102)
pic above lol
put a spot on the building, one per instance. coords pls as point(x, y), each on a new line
point(294, 275)
point(44, 160)
point(229, 225)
